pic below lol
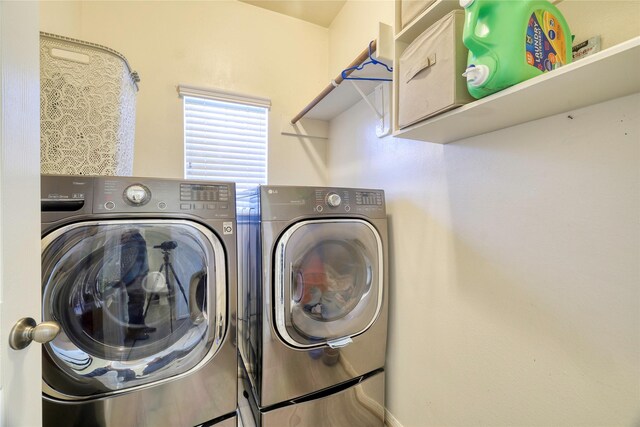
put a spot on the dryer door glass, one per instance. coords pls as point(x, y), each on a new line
point(137, 301)
point(328, 280)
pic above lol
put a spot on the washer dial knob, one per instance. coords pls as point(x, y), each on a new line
point(333, 200)
point(137, 194)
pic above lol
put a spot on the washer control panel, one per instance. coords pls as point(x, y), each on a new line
point(126, 194)
point(204, 192)
point(63, 196)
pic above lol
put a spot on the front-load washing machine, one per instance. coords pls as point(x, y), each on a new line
point(140, 274)
point(313, 305)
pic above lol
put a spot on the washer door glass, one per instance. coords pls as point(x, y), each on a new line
point(137, 302)
point(328, 281)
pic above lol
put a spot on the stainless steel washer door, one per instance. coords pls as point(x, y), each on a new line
point(138, 302)
point(328, 281)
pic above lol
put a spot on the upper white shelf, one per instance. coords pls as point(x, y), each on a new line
point(427, 18)
point(606, 75)
point(339, 94)
point(342, 96)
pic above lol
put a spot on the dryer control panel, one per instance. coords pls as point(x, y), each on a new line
point(285, 202)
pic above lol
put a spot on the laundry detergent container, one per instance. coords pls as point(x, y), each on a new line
point(512, 41)
point(87, 108)
point(410, 9)
point(430, 72)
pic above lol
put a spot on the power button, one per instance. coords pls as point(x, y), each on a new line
point(109, 205)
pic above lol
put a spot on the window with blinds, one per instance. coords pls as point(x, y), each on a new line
point(225, 137)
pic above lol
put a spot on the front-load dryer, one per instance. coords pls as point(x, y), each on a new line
point(313, 305)
point(140, 274)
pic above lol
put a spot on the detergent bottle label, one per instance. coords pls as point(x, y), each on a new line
point(545, 41)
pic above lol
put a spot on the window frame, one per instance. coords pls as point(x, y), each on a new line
point(224, 97)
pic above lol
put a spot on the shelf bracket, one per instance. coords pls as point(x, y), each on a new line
point(382, 95)
point(366, 99)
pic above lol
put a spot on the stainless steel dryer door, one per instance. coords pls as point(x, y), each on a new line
point(138, 302)
point(328, 281)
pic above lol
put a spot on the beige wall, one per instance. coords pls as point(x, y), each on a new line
point(614, 20)
point(514, 268)
point(61, 17)
point(514, 260)
point(352, 30)
point(218, 44)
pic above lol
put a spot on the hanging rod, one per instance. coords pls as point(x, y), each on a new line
point(364, 55)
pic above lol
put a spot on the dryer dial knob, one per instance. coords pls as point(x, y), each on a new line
point(137, 195)
point(333, 200)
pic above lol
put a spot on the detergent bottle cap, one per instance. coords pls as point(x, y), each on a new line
point(466, 3)
point(476, 75)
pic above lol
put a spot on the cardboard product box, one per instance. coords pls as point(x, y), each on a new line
point(430, 72)
point(410, 9)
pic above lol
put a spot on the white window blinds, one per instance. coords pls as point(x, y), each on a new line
point(225, 137)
